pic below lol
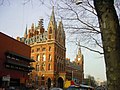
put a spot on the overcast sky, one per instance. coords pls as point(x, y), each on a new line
point(14, 16)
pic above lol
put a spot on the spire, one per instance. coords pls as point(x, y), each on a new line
point(52, 26)
point(52, 18)
point(79, 49)
point(25, 34)
point(61, 28)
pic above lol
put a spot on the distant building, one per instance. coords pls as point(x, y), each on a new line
point(48, 49)
point(14, 62)
point(75, 69)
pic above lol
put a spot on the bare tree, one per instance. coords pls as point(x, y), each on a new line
point(110, 32)
point(96, 23)
point(83, 20)
point(80, 21)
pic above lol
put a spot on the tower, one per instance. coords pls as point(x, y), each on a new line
point(79, 60)
point(52, 27)
point(25, 34)
point(61, 33)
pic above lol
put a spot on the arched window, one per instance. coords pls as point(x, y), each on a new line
point(43, 66)
point(50, 58)
point(38, 58)
point(44, 57)
point(49, 67)
point(43, 49)
point(37, 67)
point(32, 50)
point(49, 48)
point(49, 36)
point(38, 49)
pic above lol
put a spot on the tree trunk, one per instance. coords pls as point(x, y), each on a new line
point(110, 32)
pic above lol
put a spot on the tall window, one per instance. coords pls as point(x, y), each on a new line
point(50, 36)
point(49, 67)
point(49, 48)
point(32, 51)
point(44, 57)
point(50, 58)
point(43, 49)
point(37, 67)
point(43, 66)
point(38, 58)
point(38, 49)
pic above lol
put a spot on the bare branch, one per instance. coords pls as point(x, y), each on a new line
point(26, 2)
point(97, 42)
point(97, 51)
point(80, 19)
point(86, 29)
point(90, 5)
point(2, 1)
point(89, 10)
point(92, 49)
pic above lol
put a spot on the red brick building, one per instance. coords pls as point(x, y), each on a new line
point(14, 61)
point(49, 52)
point(75, 69)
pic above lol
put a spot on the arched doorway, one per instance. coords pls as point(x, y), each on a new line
point(60, 82)
point(49, 83)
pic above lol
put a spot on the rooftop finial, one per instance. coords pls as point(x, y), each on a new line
point(79, 48)
point(52, 18)
point(25, 34)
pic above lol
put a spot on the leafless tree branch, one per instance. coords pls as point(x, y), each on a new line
point(2, 1)
point(97, 42)
point(92, 49)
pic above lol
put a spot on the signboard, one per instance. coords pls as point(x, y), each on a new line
point(6, 78)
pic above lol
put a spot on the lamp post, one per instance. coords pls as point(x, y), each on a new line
point(72, 75)
point(78, 2)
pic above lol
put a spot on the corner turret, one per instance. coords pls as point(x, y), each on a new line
point(25, 34)
point(52, 27)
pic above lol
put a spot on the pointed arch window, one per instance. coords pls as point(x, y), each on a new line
point(43, 66)
point(37, 67)
point(50, 57)
point(44, 57)
point(38, 49)
point(49, 36)
point(49, 48)
point(38, 58)
point(49, 66)
point(43, 49)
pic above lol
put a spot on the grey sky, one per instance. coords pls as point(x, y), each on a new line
point(14, 16)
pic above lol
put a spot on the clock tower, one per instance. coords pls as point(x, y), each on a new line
point(80, 60)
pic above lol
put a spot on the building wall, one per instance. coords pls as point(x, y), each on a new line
point(9, 44)
point(75, 68)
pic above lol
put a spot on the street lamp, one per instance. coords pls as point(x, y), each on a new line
point(72, 75)
point(74, 78)
point(78, 2)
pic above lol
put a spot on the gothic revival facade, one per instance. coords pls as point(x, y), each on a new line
point(49, 52)
point(75, 69)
